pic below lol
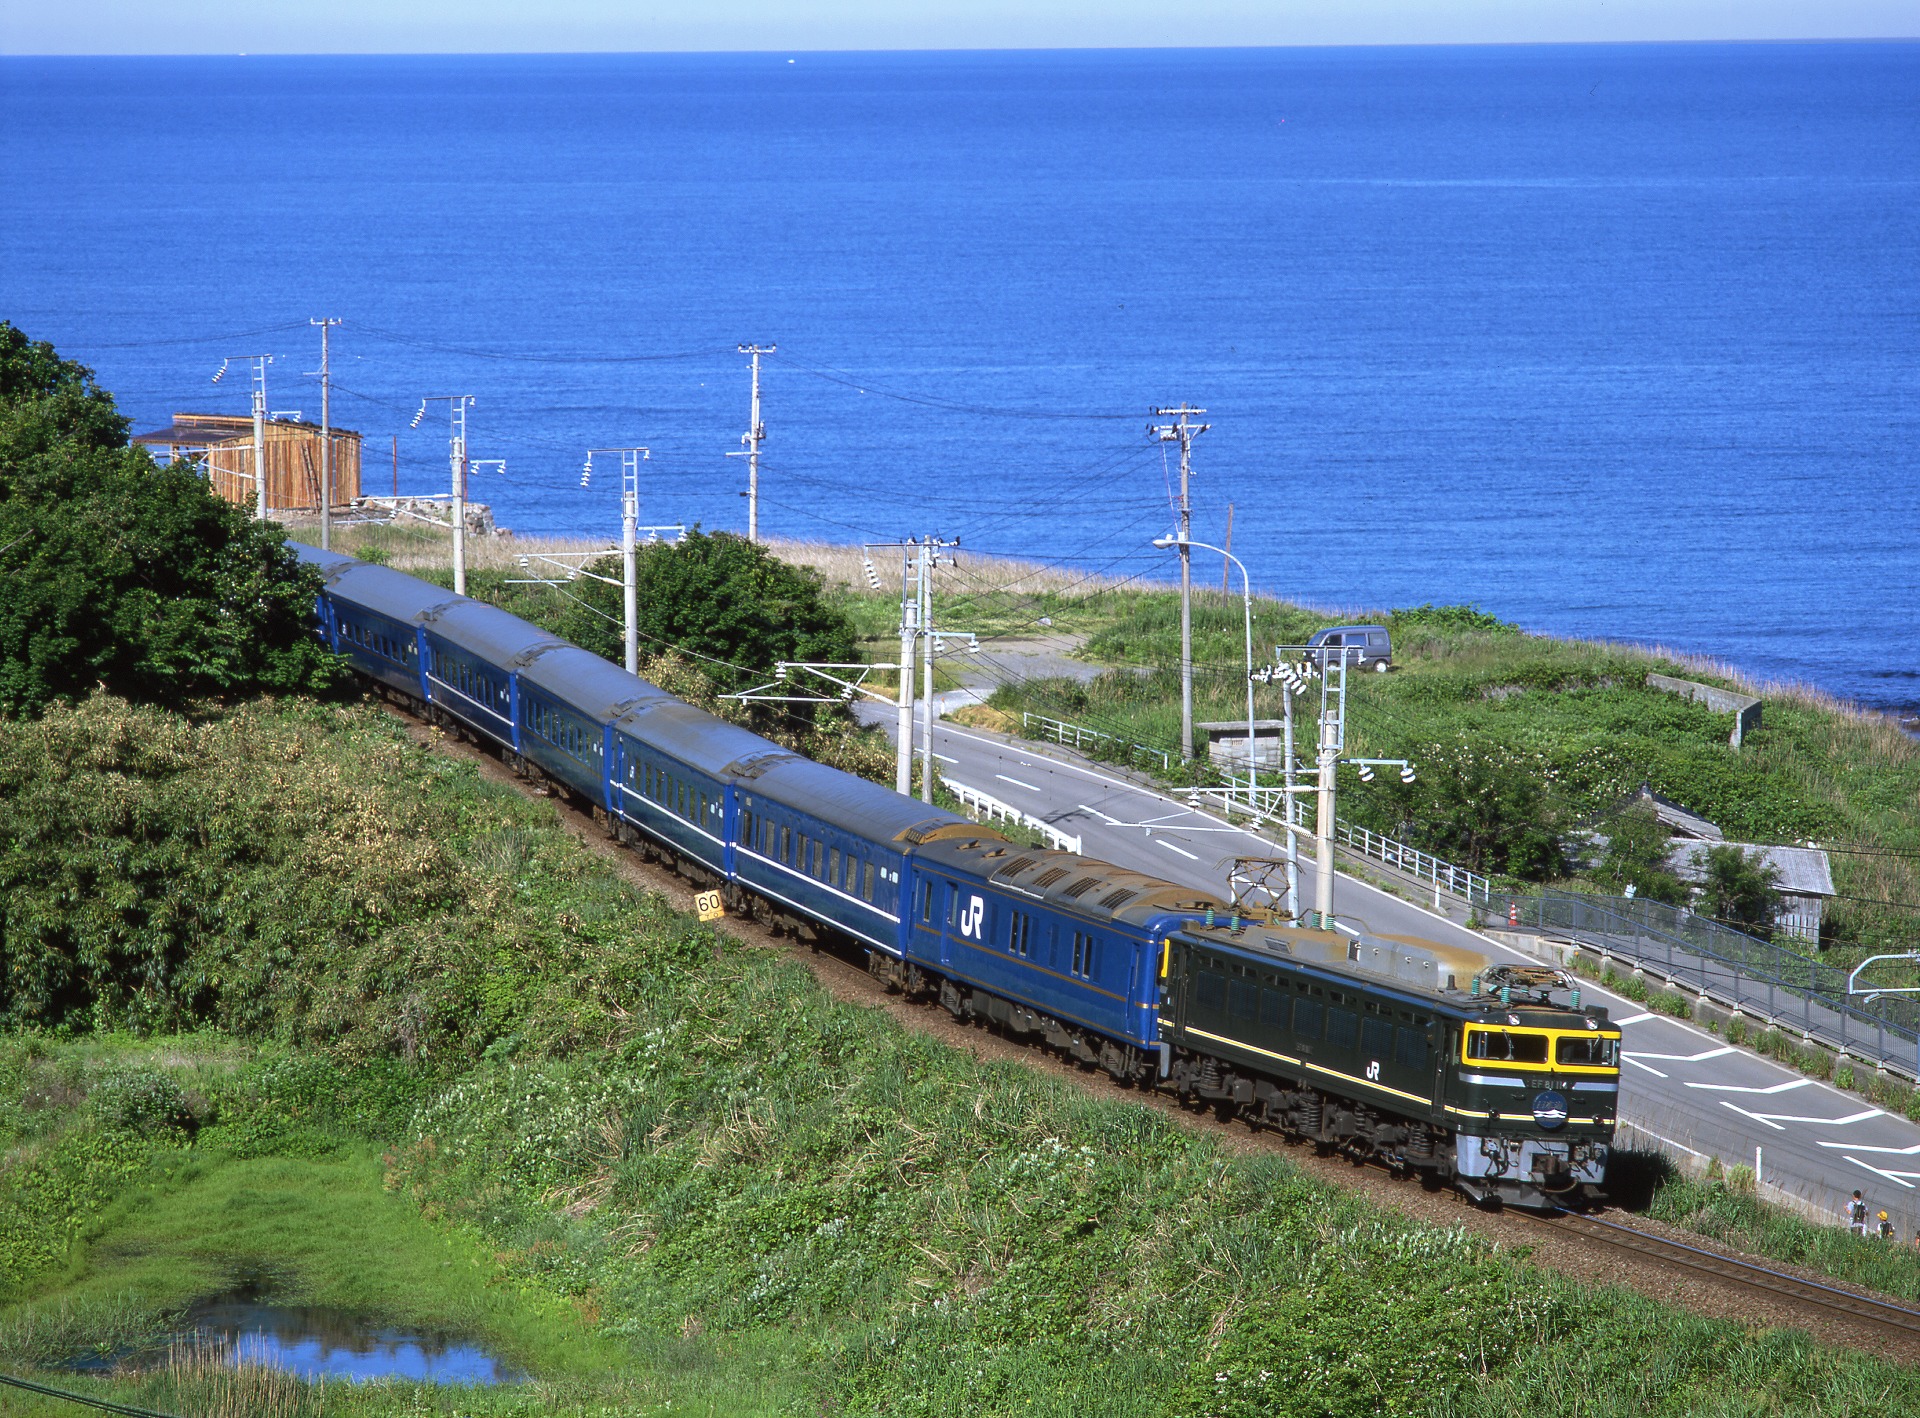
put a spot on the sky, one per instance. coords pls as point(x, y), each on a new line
point(565, 26)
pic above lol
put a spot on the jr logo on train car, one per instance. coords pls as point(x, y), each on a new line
point(973, 919)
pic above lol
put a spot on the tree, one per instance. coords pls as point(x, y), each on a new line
point(1482, 807)
point(1740, 890)
point(719, 598)
point(1637, 848)
point(115, 572)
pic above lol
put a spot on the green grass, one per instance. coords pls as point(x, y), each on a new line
point(655, 1166)
point(1573, 724)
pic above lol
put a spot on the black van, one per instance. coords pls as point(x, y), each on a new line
point(1364, 646)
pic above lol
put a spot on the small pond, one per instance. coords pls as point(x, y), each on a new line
point(315, 1342)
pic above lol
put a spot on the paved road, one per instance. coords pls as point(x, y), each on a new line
point(1683, 1086)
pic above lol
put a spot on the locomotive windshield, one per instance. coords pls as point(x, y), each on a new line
point(1507, 1045)
point(1567, 1050)
point(1589, 1050)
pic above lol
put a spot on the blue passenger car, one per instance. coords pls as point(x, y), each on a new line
point(370, 615)
point(569, 699)
point(471, 650)
point(1073, 939)
point(832, 846)
point(670, 775)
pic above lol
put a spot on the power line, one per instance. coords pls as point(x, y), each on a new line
point(185, 339)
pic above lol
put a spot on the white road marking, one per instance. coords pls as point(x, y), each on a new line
point(1913, 1151)
point(1787, 1087)
point(1718, 1053)
point(1900, 1177)
point(1181, 850)
point(1629, 1058)
point(1636, 1018)
point(1016, 782)
point(944, 759)
point(1775, 1120)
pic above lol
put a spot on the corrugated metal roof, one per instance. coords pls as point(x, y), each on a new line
point(1803, 871)
point(1088, 887)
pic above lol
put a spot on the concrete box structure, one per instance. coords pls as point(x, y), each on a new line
point(1227, 744)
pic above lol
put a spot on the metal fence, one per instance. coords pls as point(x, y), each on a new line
point(1739, 971)
point(1074, 736)
point(1471, 887)
point(984, 807)
point(1779, 986)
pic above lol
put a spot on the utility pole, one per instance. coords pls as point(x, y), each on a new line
point(326, 436)
point(260, 363)
point(457, 406)
point(909, 635)
point(1287, 762)
point(756, 433)
point(630, 461)
point(1226, 556)
point(1184, 433)
point(927, 558)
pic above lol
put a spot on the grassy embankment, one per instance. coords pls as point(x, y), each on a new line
point(404, 1047)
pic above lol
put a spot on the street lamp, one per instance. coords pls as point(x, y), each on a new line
point(1168, 543)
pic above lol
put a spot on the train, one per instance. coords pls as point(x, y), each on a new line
point(1494, 1079)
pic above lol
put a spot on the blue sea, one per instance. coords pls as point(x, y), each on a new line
point(1615, 341)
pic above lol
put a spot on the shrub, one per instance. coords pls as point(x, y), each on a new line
point(142, 1101)
point(1637, 844)
point(1740, 889)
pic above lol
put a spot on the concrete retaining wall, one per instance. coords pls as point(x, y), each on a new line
point(1744, 707)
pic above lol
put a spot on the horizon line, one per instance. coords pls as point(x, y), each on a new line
point(610, 53)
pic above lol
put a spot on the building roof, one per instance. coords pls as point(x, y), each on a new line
point(204, 430)
point(1678, 820)
point(1802, 871)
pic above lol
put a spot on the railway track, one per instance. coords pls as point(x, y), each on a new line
point(1830, 1301)
point(1829, 1305)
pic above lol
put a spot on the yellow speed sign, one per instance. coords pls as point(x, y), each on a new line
point(709, 905)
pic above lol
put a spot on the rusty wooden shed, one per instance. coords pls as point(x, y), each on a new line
point(222, 445)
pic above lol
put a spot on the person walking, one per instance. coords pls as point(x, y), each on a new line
point(1857, 1215)
point(1886, 1228)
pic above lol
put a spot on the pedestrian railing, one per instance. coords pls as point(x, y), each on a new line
point(1076, 736)
point(1471, 887)
point(1778, 986)
point(984, 807)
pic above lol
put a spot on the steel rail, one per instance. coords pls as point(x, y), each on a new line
point(1751, 1274)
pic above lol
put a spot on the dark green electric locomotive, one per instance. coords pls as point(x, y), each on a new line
point(1493, 1078)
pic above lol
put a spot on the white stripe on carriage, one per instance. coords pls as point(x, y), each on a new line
point(670, 815)
point(882, 912)
point(462, 694)
point(891, 949)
